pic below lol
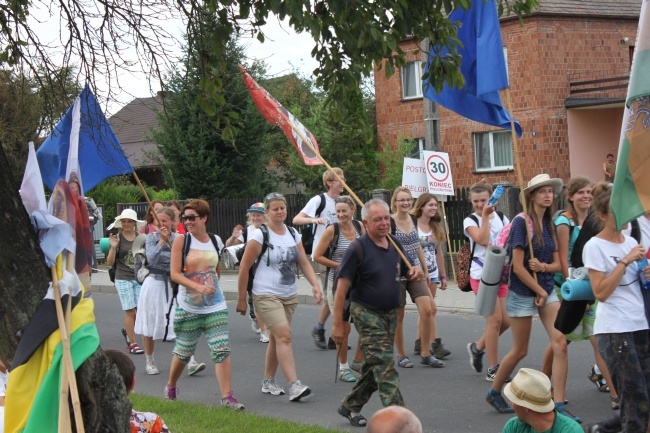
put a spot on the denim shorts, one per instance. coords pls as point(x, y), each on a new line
point(435, 280)
point(524, 306)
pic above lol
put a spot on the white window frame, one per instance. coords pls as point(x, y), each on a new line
point(418, 80)
point(490, 135)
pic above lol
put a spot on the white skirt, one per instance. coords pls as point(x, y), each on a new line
point(153, 306)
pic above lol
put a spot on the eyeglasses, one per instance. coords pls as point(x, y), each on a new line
point(342, 200)
point(190, 218)
point(404, 200)
point(273, 195)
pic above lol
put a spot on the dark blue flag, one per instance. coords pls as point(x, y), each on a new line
point(483, 66)
point(99, 152)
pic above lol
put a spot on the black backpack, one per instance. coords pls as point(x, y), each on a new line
point(309, 230)
point(335, 241)
point(186, 248)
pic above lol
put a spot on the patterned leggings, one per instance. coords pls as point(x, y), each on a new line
point(628, 359)
point(189, 327)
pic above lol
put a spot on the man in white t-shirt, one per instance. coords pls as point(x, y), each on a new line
point(308, 215)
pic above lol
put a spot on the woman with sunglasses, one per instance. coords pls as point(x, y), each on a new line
point(404, 227)
point(275, 293)
point(201, 304)
point(330, 255)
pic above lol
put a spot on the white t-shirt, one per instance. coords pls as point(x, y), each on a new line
point(3, 383)
point(278, 278)
point(623, 311)
point(201, 263)
point(250, 228)
point(644, 225)
point(480, 251)
point(329, 213)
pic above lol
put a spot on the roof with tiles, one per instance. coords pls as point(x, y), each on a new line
point(601, 8)
point(133, 124)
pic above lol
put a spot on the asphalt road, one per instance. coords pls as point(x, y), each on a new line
point(450, 399)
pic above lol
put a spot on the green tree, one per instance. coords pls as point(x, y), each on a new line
point(199, 160)
point(391, 160)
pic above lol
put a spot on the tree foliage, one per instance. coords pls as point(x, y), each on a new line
point(200, 158)
point(351, 37)
point(391, 160)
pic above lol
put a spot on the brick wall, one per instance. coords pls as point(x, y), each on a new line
point(544, 57)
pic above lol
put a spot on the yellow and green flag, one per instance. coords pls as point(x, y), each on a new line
point(631, 193)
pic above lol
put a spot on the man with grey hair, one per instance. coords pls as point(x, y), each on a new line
point(371, 271)
point(394, 419)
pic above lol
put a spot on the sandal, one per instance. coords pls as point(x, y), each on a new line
point(347, 376)
point(404, 362)
point(497, 402)
point(356, 421)
point(134, 349)
point(616, 402)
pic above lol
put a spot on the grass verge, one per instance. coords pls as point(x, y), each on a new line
point(187, 417)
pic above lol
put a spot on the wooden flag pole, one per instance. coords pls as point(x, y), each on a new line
point(74, 391)
point(444, 217)
point(345, 185)
point(520, 180)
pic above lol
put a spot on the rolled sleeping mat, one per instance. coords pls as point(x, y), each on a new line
point(488, 288)
point(577, 290)
point(104, 245)
point(580, 274)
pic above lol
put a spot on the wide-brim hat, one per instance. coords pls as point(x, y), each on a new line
point(128, 214)
point(256, 208)
point(545, 180)
point(531, 389)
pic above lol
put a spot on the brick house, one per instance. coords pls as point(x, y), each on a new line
point(568, 68)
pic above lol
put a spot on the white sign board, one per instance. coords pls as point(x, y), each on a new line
point(414, 177)
point(438, 172)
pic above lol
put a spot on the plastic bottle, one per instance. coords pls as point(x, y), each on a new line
point(642, 264)
point(498, 191)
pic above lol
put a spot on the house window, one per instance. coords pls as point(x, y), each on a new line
point(493, 151)
point(412, 80)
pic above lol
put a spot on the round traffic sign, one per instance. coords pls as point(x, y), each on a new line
point(437, 168)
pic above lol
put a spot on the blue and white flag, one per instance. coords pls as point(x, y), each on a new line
point(85, 136)
point(483, 66)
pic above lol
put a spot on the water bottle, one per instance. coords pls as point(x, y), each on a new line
point(498, 191)
point(642, 264)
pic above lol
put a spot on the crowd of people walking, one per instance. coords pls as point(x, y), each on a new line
point(366, 270)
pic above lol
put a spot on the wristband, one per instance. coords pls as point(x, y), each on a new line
point(443, 278)
point(624, 263)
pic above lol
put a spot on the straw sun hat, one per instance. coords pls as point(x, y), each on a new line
point(544, 180)
point(128, 214)
point(531, 389)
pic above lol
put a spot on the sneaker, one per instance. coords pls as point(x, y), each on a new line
point(597, 379)
point(195, 368)
point(438, 349)
point(255, 327)
point(264, 336)
point(331, 345)
point(319, 338)
point(418, 347)
point(270, 387)
point(561, 409)
point(498, 402)
point(356, 366)
point(151, 368)
point(475, 357)
point(492, 373)
point(347, 376)
point(616, 402)
point(171, 392)
point(432, 361)
point(231, 402)
point(298, 391)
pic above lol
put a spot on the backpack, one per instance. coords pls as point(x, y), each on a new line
point(309, 230)
point(335, 241)
point(240, 252)
point(503, 239)
point(465, 257)
point(186, 248)
point(265, 245)
point(140, 270)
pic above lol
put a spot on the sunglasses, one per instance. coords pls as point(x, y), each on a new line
point(342, 200)
point(272, 196)
point(190, 218)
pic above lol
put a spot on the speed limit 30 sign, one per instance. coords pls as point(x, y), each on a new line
point(438, 170)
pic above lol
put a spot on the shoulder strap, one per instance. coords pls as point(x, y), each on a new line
point(337, 234)
point(245, 234)
point(393, 225)
point(414, 219)
point(357, 226)
point(500, 214)
point(213, 238)
point(186, 248)
point(321, 206)
point(293, 232)
point(265, 243)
